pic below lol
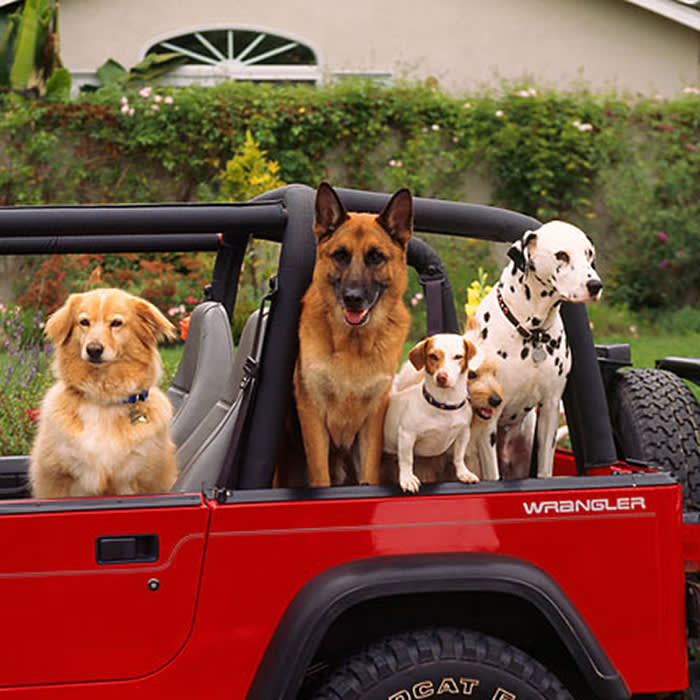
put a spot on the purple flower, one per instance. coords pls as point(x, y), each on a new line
point(662, 236)
point(664, 263)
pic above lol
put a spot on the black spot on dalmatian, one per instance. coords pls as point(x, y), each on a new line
point(524, 352)
point(520, 279)
point(561, 370)
point(550, 349)
point(512, 289)
point(551, 293)
point(487, 317)
point(527, 293)
point(557, 360)
point(536, 321)
point(492, 439)
point(528, 408)
point(502, 353)
point(484, 333)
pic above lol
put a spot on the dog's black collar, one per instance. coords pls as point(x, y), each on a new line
point(134, 398)
point(536, 335)
point(439, 404)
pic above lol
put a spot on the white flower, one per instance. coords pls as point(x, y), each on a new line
point(157, 98)
point(467, 105)
point(125, 109)
point(582, 127)
point(392, 163)
point(155, 108)
point(145, 92)
point(435, 127)
point(168, 100)
point(499, 113)
point(455, 139)
point(124, 100)
point(691, 90)
point(132, 111)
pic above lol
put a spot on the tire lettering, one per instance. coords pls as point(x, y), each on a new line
point(468, 685)
point(448, 685)
point(424, 689)
point(501, 694)
point(401, 695)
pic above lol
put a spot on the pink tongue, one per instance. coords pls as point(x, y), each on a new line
point(354, 317)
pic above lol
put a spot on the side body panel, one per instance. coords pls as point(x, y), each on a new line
point(67, 617)
point(618, 560)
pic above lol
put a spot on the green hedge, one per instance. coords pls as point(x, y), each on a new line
point(626, 171)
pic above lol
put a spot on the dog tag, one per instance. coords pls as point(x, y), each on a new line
point(538, 354)
point(136, 415)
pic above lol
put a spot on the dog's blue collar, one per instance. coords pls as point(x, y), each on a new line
point(133, 398)
point(439, 404)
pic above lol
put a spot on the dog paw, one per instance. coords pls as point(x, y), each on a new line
point(410, 483)
point(468, 477)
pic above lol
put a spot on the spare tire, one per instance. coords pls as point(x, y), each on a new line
point(656, 420)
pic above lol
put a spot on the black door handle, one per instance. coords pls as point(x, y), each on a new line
point(126, 549)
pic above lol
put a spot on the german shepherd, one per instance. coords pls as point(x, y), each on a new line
point(351, 332)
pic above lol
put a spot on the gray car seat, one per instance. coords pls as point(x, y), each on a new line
point(207, 395)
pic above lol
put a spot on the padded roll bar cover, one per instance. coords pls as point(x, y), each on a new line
point(274, 392)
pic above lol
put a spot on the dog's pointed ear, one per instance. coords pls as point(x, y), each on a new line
point(153, 321)
point(59, 326)
point(397, 217)
point(329, 211)
point(417, 354)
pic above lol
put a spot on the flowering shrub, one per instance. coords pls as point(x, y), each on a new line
point(477, 290)
point(621, 169)
point(25, 376)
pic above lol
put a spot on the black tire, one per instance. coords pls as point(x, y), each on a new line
point(656, 420)
point(445, 661)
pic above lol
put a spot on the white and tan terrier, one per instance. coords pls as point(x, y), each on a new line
point(428, 418)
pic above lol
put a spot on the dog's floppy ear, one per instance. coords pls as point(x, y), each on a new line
point(329, 210)
point(521, 250)
point(153, 321)
point(470, 350)
point(397, 217)
point(417, 354)
point(59, 326)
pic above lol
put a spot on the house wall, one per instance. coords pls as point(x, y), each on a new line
point(464, 44)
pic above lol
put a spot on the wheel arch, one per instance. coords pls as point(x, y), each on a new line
point(339, 590)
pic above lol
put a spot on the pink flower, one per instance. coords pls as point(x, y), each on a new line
point(680, 254)
point(665, 127)
point(145, 92)
point(168, 100)
point(663, 237)
point(664, 263)
point(690, 147)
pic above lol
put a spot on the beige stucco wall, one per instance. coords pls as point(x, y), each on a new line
point(462, 43)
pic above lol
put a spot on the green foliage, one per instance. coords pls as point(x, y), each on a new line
point(29, 59)
point(112, 74)
point(24, 371)
point(622, 170)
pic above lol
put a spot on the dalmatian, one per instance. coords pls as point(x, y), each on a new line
point(521, 328)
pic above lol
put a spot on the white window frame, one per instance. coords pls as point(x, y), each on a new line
point(235, 67)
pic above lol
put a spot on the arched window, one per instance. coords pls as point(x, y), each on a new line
point(239, 54)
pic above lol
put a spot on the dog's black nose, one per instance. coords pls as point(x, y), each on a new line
point(495, 400)
point(594, 287)
point(94, 350)
point(353, 299)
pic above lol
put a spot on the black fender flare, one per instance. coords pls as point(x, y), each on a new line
point(324, 598)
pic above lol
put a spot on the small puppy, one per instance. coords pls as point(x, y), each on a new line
point(428, 418)
point(104, 425)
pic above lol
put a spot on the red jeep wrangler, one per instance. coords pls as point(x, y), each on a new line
point(577, 586)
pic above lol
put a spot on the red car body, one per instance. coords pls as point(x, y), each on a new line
point(227, 573)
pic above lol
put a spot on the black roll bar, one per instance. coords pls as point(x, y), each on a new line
point(286, 215)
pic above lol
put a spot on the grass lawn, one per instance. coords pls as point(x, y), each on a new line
point(649, 348)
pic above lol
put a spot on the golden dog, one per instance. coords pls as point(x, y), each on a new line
point(104, 425)
point(351, 332)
